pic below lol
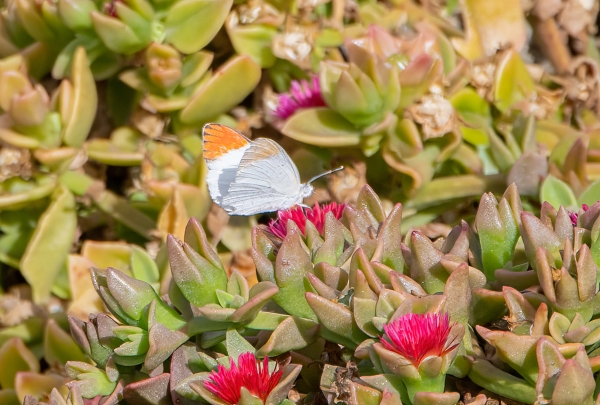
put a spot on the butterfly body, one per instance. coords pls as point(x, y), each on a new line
point(248, 177)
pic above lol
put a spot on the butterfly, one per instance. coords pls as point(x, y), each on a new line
point(248, 177)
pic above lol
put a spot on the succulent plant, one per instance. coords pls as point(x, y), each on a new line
point(433, 104)
point(401, 313)
point(79, 43)
point(33, 338)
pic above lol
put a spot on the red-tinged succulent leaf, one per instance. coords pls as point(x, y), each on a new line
point(390, 383)
point(519, 351)
point(362, 288)
point(131, 294)
point(486, 375)
point(260, 294)
point(334, 277)
point(150, 391)
point(540, 325)
point(332, 249)
point(195, 237)
point(292, 333)
point(197, 278)
point(292, 263)
point(521, 311)
point(519, 280)
point(587, 272)
point(370, 205)
point(436, 398)
point(390, 398)
point(281, 390)
point(487, 306)
point(388, 249)
point(563, 225)
point(321, 288)
point(364, 266)
point(458, 294)
point(162, 340)
point(336, 318)
point(263, 254)
point(395, 362)
point(576, 381)
point(424, 264)
point(536, 234)
point(458, 240)
point(402, 283)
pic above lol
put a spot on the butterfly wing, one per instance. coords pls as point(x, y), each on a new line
point(267, 180)
point(223, 149)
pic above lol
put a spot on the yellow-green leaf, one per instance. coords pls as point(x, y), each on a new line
point(46, 253)
point(226, 89)
point(192, 24)
point(83, 100)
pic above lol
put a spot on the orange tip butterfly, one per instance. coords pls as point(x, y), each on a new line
point(248, 177)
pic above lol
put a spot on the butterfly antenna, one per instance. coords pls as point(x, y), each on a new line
point(325, 174)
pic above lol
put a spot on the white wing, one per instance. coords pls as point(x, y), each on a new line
point(221, 173)
point(267, 180)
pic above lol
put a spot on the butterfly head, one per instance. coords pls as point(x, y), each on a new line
point(306, 190)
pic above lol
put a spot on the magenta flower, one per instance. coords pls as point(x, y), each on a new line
point(249, 373)
point(300, 215)
point(301, 95)
point(417, 336)
point(574, 216)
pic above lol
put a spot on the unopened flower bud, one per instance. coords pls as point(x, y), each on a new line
point(164, 65)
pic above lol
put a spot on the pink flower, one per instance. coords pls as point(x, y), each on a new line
point(299, 215)
point(574, 216)
point(417, 336)
point(248, 373)
point(301, 95)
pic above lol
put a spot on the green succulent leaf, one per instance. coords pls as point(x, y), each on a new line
point(197, 278)
point(292, 264)
point(558, 193)
point(512, 82)
point(184, 18)
point(144, 268)
point(90, 380)
point(236, 344)
point(119, 36)
point(590, 195)
point(59, 346)
point(76, 13)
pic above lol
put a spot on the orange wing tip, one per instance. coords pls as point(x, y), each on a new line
point(220, 139)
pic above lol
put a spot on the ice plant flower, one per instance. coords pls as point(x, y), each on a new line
point(416, 336)
point(302, 95)
point(419, 348)
point(574, 215)
point(249, 373)
point(300, 215)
